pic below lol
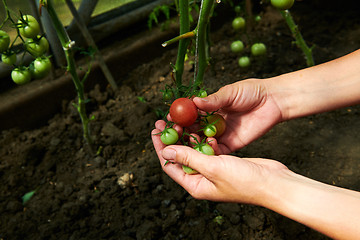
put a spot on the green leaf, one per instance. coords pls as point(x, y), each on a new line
point(27, 196)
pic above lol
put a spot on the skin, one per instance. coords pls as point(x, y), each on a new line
point(252, 107)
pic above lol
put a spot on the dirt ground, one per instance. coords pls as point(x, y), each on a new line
point(124, 194)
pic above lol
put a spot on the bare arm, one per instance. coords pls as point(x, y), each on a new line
point(330, 210)
point(317, 89)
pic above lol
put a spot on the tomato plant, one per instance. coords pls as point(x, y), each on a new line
point(183, 111)
point(258, 49)
point(237, 46)
point(282, 4)
point(21, 75)
point(8, 58)
point(28, 26)
point(37, 47)
point(244, 61)
point(238, 23)
point(169, 136)
point(40, 67)
point(4, 41)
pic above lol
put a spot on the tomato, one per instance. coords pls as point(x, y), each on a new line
point(205, 149)
point(244, 61)
point(210, 130)
point(4, 41)
point(183, 111)
point(40, 67)
point(258, 49)
point(189, 170)
point(257, 18)
point(237, 46)
point(202, 94)
point(282, 4)
point(238, 23)
point(37, 47)
point(28, 26)
point(8, 58)
point(21, 75)
point(218, 121)
point(169, 136)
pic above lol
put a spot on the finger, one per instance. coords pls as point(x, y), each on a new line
point(160, 124)
point(189, 157)
point(220, 99)
point(213, 143)
point(194, 139)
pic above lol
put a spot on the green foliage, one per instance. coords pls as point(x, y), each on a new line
point(155, 14)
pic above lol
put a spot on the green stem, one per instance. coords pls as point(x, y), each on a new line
point(205, 13)
point(183, 43)
point(67, 45)
point(300, 42)
point(178, 38)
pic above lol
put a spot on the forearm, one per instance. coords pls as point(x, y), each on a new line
point(318, 89)
point(330, 210)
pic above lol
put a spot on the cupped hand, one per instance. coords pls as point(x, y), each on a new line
point(248, 108)
point(221, 178)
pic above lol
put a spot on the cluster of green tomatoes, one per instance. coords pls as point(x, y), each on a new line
point(35, 44)
point(259, 48)
point(238, 46)
point(184, 113)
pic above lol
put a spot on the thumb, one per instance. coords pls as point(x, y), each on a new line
point(221, 99)
point(186, 156)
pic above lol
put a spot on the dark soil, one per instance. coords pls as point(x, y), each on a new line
point(124, 194)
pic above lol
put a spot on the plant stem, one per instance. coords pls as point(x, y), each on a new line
point(299, 40)
point(183, 43)
point(201, 44)
point(67, 45)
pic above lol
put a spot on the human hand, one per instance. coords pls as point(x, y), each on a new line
point(221, 178)
point(248, 108)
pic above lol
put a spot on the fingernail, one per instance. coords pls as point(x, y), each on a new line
point(204, 99)
point(169, 153)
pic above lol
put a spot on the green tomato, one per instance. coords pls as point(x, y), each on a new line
point(28, 26)
point(202, 94)
point(4, 41)
point(169, 136)
point(244, 61)
point(205, 149)
point(37, 47)
point(210, 130)
point(237, 46)
point(258, 49)
point(40, 67)
point(238, 23)
point(282, 4)
point(189, 170)
point(8, 58)
point(21, 75)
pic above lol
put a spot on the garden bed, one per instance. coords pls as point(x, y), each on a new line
point(124, 194)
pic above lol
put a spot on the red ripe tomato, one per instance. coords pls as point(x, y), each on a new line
point(183, 111)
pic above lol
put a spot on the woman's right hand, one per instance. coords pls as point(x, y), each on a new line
point(248, 108)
